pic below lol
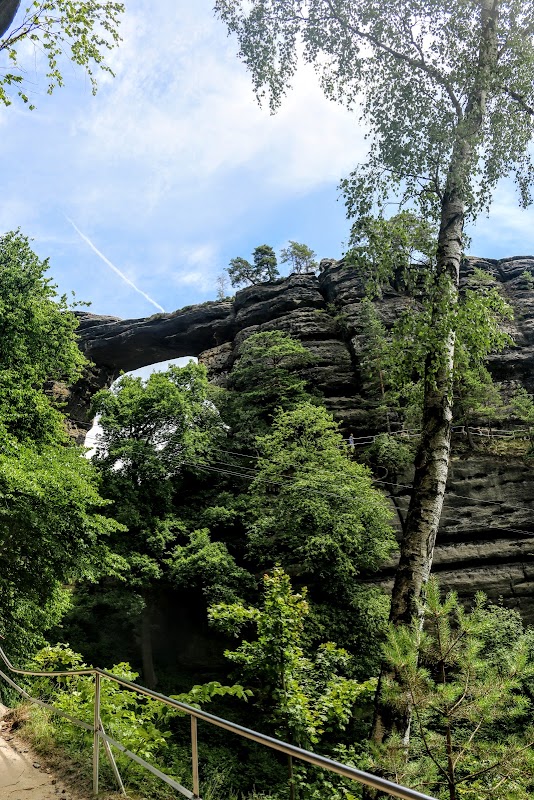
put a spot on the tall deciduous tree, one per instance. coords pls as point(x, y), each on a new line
point(316, 513)
point(50, 520)
point(447, 94)
point(37, 344)
point(84, 29)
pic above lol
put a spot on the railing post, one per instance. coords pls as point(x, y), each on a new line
point(112, 761)
point(194, 756)
point(96, 733)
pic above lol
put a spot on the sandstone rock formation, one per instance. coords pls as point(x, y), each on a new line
point(486, 540)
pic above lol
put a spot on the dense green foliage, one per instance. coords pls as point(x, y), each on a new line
point(144, 726)
point(468, 680)
point(304, 698)
point(264, 267)
point(84, 29)
point(153, 431)
point(201, 528)
point(243, 507)
point(307, 699)
point(446, 95)
point(52, 529)
point(37, 344)
point(397, 254)
point(314, 510)
point(478, 322)
point(51, 532)
point(267, 376)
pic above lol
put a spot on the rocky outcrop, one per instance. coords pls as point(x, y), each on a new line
point(322, 311)
point(486, 540)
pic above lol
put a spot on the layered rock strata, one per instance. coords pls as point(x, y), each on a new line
point(486, 540)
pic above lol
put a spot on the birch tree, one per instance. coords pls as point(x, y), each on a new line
point(445, 91)
point(82, 29)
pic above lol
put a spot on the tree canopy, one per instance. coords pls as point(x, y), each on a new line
point(414, 72)
point(316, 511)
point(52, 528)
point(464, 677)
point(263, 269)
point(447, 96)
point(153, 432)
point(300, 257)
point(85, 29)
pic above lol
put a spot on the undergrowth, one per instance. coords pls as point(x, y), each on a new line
point(155, 732)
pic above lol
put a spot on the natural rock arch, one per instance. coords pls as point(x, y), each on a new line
point(486, 540)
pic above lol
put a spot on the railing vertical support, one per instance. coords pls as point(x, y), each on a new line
point(96, 734)
point(374, 781)
point(194, 756)
point(112, 761)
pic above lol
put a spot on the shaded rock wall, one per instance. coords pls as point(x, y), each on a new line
point(484, 540)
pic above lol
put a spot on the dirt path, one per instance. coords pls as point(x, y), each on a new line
point(24, 775)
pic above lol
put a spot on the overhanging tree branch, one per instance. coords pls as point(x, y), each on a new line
point(419, 64)
point(520, 101)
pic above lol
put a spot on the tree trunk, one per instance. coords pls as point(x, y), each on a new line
point(432, 459)
point(149, 673)
point(431, 463)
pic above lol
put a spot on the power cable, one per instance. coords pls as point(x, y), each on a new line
point(254, 474)
point(396, 485)
point(324, 493)
point(255, 477)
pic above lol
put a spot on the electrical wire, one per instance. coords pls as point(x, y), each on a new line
point(255, 476)
point(392, 484)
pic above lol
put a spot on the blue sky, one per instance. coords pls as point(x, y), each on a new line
point(172, 169)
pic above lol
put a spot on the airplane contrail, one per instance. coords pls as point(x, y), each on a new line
point(113, 267)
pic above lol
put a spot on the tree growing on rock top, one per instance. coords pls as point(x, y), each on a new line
point(447, 94)
point(262, 270)
point(300, 258)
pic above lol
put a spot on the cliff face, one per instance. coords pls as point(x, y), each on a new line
point(484, 540)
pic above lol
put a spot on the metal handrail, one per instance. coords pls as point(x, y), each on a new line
point(352, 773)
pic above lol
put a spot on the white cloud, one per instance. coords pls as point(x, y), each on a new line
point(174, 170)
point(182, 110)
point(507, 230)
